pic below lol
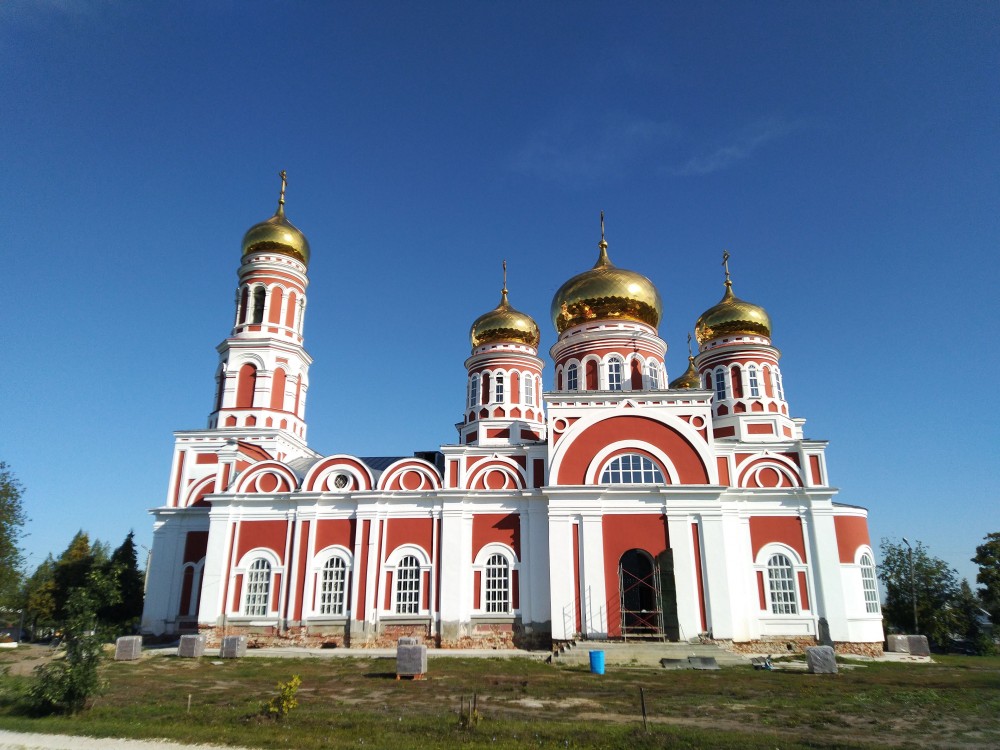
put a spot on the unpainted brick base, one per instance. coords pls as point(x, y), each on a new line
point(795, 645)
point(485, 636)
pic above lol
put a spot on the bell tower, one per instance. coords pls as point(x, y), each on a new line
point(263, 374)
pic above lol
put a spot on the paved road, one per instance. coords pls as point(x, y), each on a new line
point(34, 741)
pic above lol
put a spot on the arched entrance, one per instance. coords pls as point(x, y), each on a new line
point(648, 598)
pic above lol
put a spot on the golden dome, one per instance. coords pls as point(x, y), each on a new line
point(504, 324)
point(689, 380)
point(732, 316)
point(277, 234)
point(606, 292)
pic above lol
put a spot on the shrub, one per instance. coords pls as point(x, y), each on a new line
point(282, 704)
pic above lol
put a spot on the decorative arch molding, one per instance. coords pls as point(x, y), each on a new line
point(248, 358)
point(410, 474)
point(767, 471)
point(404, 550)
point(496, 473)
point(587, 436)
point(323, 476)
point(621, 447)
point(777, 548)
point(863, 549)
point(496, 548)
point(267, 477)
point(265, 552)
point(334, 550)
point(194, 497)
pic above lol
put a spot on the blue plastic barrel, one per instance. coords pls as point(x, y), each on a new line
point(597, 662)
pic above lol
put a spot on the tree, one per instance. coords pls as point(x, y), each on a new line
point(124, 614)
point(971, 627)
point(934, 584)
point(38, 598)
point(12, 520)
point(65, 685)
point(72, 571)
point(988, 559)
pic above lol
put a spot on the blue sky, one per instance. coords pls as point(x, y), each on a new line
point(845, 153)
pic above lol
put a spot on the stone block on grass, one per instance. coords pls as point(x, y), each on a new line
point(128, 648)
point(703, 662)
point(191, 646)
point(821, 660)
point(411, 658)
point(918, 645)
point(233, 647)
point(898, 644)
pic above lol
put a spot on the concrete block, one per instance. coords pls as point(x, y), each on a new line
point(233, 647)
point(411, 659)
point(675, 664)
point(898, 644)
point(703, 662)
point(191, 646)
point(128, 648)
point(821, 660)
point(918, 645)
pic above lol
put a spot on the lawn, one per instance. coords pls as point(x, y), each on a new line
point(354, 702)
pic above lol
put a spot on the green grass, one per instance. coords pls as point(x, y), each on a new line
point(358, 703)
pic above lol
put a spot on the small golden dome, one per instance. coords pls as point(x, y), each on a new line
point(277, 234)
point(606, 292)
point(689, 380)
point(504, 324)
point(732, 316)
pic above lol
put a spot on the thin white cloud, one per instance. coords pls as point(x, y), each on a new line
point(586, 150)
point(742, 147)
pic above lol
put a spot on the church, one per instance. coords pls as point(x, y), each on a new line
point(606, 503)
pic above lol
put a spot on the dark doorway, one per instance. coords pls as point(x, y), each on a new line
point(668, 595)
point(638, 585)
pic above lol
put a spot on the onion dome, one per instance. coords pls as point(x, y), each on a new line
point(606, 292)
point(732, 316)
point(689, 380)
point(277, 234)
point(504, 324)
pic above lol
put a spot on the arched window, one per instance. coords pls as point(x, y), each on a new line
point(572, 378)
point(868, 583)
point(768, 382)
point(258, 305)
point(220, 387)
point(498, 388)
point(474, 390)
point(497, 584)
point(278, 390)
point(408, 586)
point(275, 314)
point(631, 468)
point(736, 376)
point(258, 588)
point(333, 587)
point(614, 374)
point(781, 585)
point(777, 385)
point(636, 375)
point(720, 384)
point(652, 375)
point(290, 312)
point(529, 391)
point(244, 298)
point(245, 386)
point(752, 381)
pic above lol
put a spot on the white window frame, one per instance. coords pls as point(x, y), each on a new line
point(395, 560)
point(474, 391)
point(615, 369)
point(498, 387)
point(753, 383)
point(652, 375)
point(720, 384)
point(869, 582)
point(244, 569)
point(614, 471)
point(319, 568)
point(529, 389)
point(782, 590)
point(406, 600)
point(572, 377)
point(482, 564)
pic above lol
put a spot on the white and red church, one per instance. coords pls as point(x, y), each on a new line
point(607, 503)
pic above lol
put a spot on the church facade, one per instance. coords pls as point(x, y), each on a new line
point(606, 503)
